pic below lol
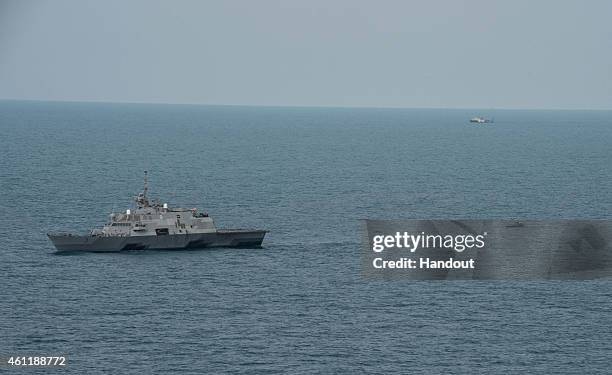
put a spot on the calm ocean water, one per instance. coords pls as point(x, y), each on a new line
point(300, 304)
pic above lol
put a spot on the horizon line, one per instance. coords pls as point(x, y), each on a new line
point(295, 106)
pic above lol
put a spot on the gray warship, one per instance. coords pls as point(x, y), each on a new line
point(153, 225)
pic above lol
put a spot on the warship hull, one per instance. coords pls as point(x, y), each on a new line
point(236, 238)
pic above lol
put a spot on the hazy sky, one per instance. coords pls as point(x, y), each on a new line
point(475, 54)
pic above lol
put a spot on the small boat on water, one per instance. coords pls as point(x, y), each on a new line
point(515, 224)
point(481, 120)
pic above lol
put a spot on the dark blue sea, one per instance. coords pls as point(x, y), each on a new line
point(298, 305)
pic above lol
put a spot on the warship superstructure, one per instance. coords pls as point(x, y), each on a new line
point(155, 225)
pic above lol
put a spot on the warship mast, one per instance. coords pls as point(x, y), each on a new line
point(142, 199)
point(146, 185)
